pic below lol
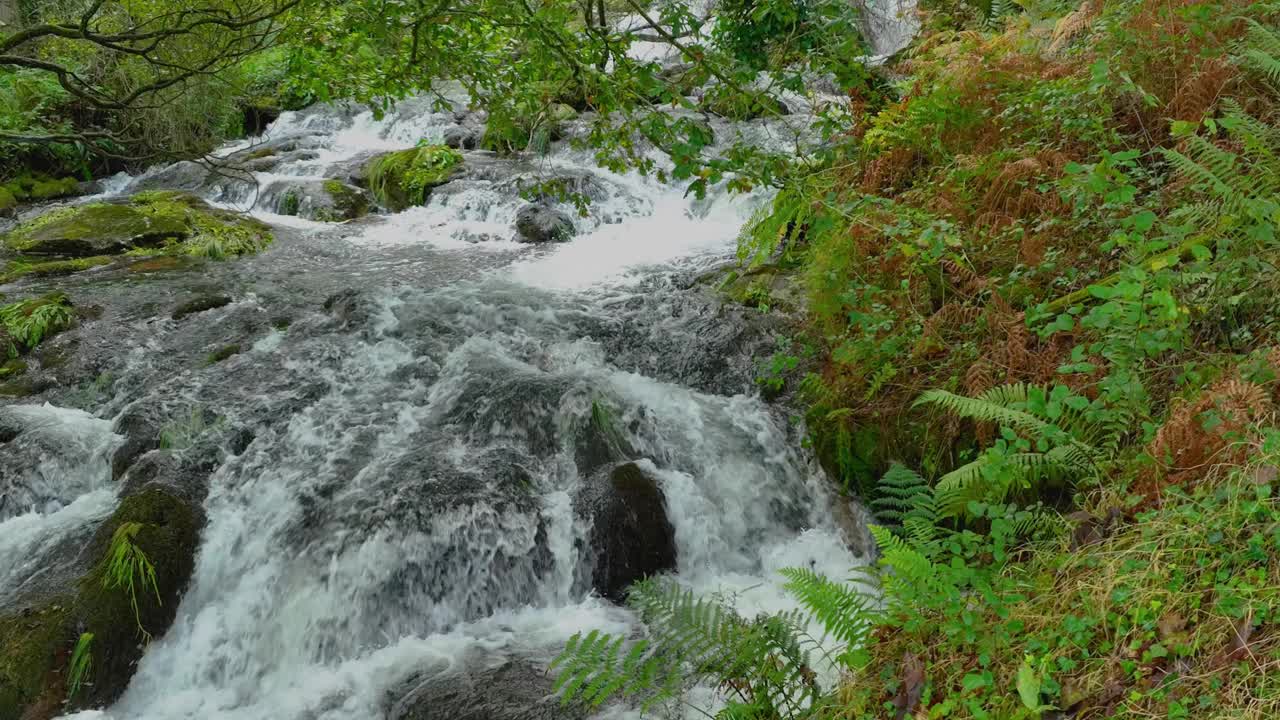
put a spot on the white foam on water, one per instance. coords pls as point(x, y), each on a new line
point(299, 612)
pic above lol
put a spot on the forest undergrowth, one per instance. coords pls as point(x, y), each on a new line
point(1040, 343)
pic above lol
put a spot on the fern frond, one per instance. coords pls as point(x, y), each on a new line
point(1038, 523)
point(908, 565)
point(846, 612)
point(1260, 51)
point(992, 406)
point(899, 491)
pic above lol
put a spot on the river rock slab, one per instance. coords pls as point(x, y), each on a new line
point(631, 536)
point(514, 690)
point(101, 230)
point(539, 223)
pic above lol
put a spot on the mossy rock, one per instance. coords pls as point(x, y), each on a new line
point(405, 178)
point(156, 221)
point(37, 642)
point(768, 286)
point(41, 187)
point(200, 304)
point(51, 268)
point(348, 202)
point(222, 353)
point(163, 263)
point(7, 201)
point(532, 129)
point(98, 229)
point(11, 368)
point(51, 189)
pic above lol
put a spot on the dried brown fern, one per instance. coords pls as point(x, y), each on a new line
point(1032, 249)
point(980, 378)
point(1199, 94)
point(1213, 430)
point(1074, 25)
point(888, 172)
point(950, 315)
point(963, 279)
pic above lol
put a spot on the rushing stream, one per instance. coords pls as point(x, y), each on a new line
point(396, 462)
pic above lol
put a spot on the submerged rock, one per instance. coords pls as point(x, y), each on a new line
point(514, 690)
point(95, 615)
point(540, 223)
point(200, 304)
point(631, 536)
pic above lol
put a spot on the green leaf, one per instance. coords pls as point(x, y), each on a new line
point(1029, 685)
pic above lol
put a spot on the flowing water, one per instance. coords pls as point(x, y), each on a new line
point(393, 463)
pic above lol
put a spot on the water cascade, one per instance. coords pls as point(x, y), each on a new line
point(403, 446)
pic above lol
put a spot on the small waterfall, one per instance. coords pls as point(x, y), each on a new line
point(401, 479)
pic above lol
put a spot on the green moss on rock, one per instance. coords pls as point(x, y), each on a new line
point(405, 178)
point(50, 189)
point(51, 268)
point(36, 643)
point(348, 202)
point(200, 304)
point(166, 222)
point(221, 354)
point(7, 200)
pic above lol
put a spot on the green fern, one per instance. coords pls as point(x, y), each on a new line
point(774, 225)
point(912, 572)
point(845, 611)
point(904, 494)
point(1260, 51)
point(129, 569)
point(1241, 190)
point(691, 640)
point(31, 321)
point(1072, 441)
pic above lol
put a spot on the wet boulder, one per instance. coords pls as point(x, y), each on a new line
point(349, 307)
point(156, 220)
point(94, 615)
point(631, 536)
point(182, 175)
point(405, 178)
point(140, 425)
point(461, 138)
point(324, 200)
point(99, 229)
point(199, 304)
point(541, 223)
point(513, 690)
